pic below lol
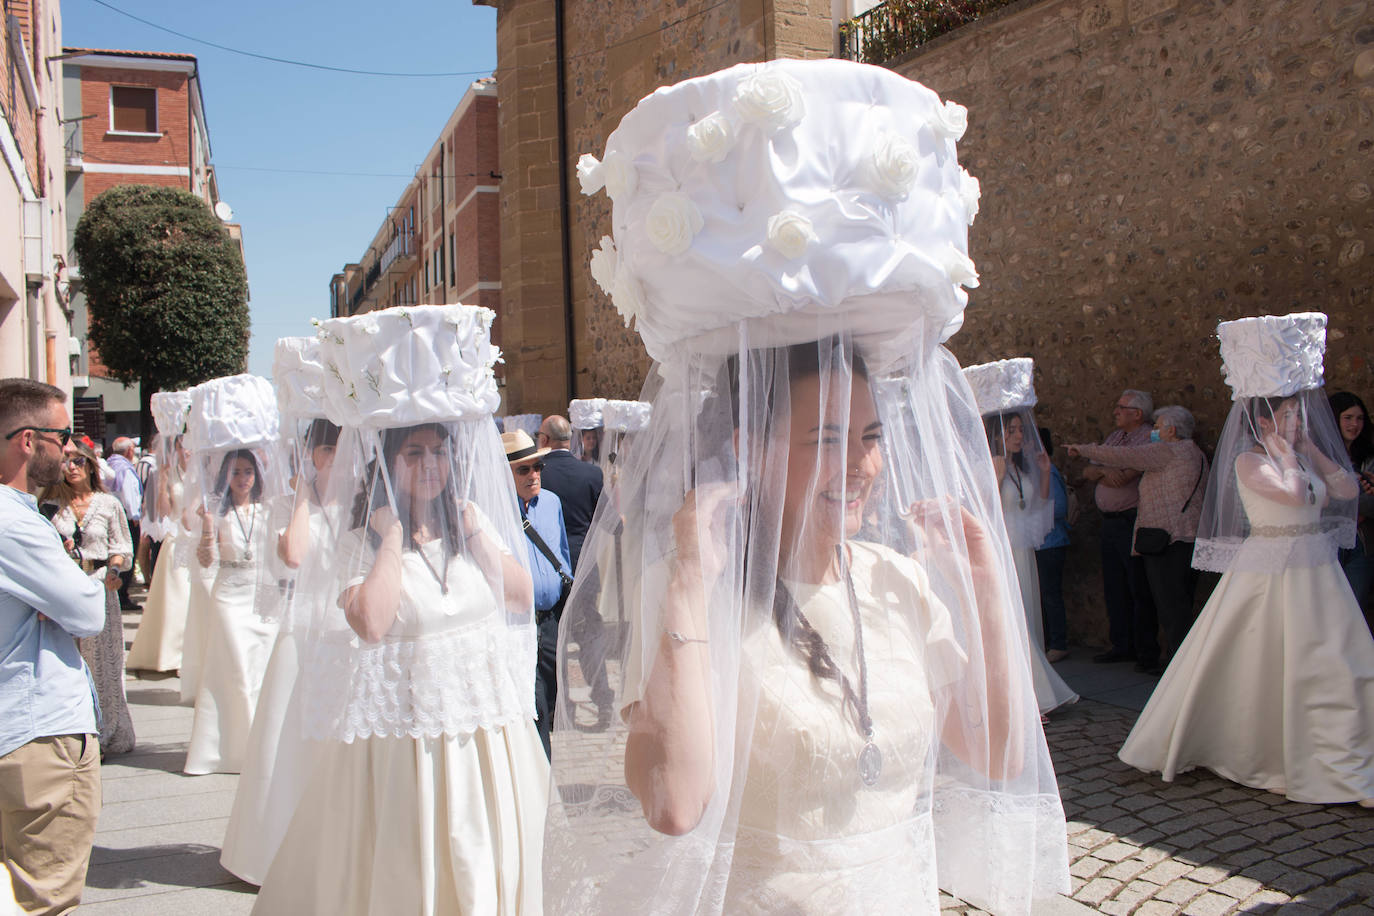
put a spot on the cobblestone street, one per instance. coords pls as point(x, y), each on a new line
point(1200, 846)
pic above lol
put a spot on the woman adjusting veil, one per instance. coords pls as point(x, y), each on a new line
point(824, 687)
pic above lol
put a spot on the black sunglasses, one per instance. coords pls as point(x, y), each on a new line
point(64, 434)
point(524, 469)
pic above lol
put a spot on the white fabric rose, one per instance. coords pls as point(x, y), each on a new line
point(627, 295)
point(959, 267)
point(604, 262)
point(951, 121)
point(770, 99)
point(620, 176)
point(711, 138)
point(893, 167)
point(790, 234)
point(969, 193)
point(672, 223)
point(590, 174)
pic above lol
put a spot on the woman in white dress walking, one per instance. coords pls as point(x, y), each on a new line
point(1005, 393)
point(429, 782)
point(824, 702)
point(1274, 685)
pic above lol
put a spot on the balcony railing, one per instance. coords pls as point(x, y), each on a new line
point(402, 246)
point(895, 27)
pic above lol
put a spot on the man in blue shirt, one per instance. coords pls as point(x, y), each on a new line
point(49, 752)
point(550, 567)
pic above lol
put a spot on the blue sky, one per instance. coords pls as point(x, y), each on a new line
point(301, 224)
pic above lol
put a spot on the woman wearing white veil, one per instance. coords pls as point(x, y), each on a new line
point(1005, 393)
point(234, 456)
point(277, 763)
point(157, 645)
point(429, 786)
point(824, 700)
point(585, 418)
point(1274, 685)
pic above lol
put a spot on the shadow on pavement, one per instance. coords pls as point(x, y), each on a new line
point(176, 865)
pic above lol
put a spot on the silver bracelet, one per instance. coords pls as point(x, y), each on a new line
point(677, 637)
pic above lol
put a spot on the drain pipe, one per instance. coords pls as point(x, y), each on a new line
point(565, 210)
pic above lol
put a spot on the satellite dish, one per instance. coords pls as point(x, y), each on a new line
point(224, 212)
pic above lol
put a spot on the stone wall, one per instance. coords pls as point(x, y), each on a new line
point(1149, 168)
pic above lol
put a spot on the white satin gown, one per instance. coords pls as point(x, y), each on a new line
point(238, 642)
point(1274, 686)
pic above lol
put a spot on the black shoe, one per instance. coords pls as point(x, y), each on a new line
point(1154, 670)
point(1113, 655)
point(603, 719)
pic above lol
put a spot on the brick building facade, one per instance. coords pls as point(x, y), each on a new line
point(133, 117)
point(35, 326)
point(439, 243)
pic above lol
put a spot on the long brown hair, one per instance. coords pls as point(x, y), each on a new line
point(62, 492)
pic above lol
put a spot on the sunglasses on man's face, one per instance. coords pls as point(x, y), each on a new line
point(64, 435)
point(524, 469)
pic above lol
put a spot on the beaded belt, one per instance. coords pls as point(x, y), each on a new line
point(235, 564)
point(1284, 531)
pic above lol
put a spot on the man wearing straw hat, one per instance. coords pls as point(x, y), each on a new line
point(541, 513)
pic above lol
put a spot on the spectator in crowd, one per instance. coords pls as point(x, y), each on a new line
point(92, 525)
point(49, 750)
point(130, 493)
point(1130, 612)
point(578, 485)
point(550, 567)
point(1353, 421)
point(1173, 472)
point(1049, 562)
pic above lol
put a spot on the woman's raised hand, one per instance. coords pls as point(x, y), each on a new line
point(1044, 462)
point(699, 527)
point(383, 520)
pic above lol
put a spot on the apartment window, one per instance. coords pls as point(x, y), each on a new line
point(439, 260)
point(452, 260)
point(133, 109)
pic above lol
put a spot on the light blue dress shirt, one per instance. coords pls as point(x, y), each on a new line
point(127, 487)
point(45, 688)
point(545, 513)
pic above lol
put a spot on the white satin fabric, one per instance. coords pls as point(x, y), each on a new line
point(1273, 355)
point(1274, 686)
point(420, 826)
point(200, 580)
point(856, 159)
point(418, 364)
point(1050, 690)
point(161, 632)
point(238, 643)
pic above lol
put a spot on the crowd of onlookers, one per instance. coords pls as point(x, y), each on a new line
point(1150, 587)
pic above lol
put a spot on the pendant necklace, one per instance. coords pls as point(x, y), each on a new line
point(420, 549)
point(870, 758)
point(247, 532)
point(1020, 493)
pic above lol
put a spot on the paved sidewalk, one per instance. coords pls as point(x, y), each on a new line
point(1200, 846)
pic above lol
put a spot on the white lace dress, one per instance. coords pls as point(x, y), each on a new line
point(238, 642)
point(1274, 686)
point(279, 761)
point(435, 820)
point(157, 645)
point(1050, 690)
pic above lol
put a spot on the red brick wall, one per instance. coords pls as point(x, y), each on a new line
point(16, 104)
point(173, 148)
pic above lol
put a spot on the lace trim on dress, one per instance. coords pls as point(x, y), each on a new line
point(1272, 548)
point(448, 683)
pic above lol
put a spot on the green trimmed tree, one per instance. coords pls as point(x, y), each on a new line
point(166, 291)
